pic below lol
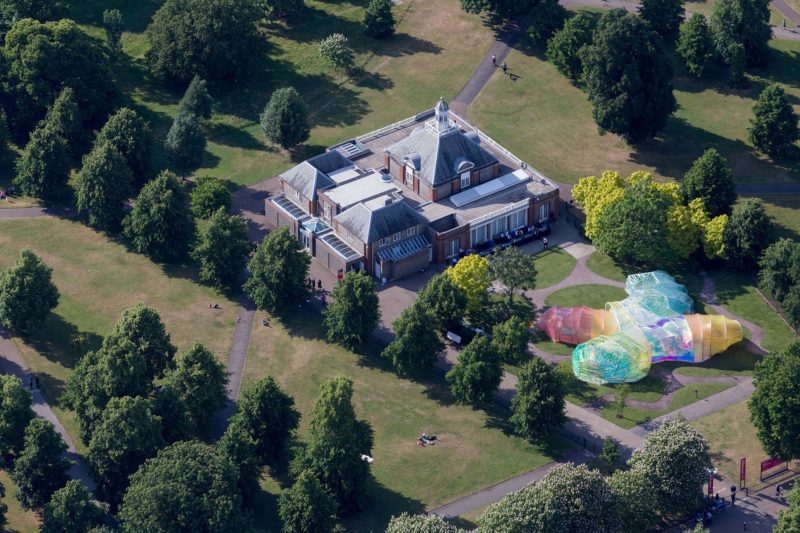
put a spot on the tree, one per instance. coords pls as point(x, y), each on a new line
point(160, 224)
point(510, 339)
point(141, 326)
point(283, 9)
point(675, 457)
point(628, 77)
point(353, 313)
point(779, 268)
point(112, 22)
point(417, 345)
point(621, 393)
point(200, 380)
point(774, 127)
point(336, 445)
point(278, 272)
point(538, 407)
point(130, 134)
point(71, 509)
point(748, 233)
point(305, 507)
point(66, 119)
point(127, 434)
point(41, 10)
point(378, 19)
point(637, 503)
point(504, 8)
point(514, 269)
point(185, 142)
point(710, 180)
point(285, 118)
point(548, 17)
point(27, 293)
point(563, 49)
point(695, 45)
point(102, 187)
point(221, 250)
point(45, 57)
point(664, 16)
point(267, 414)
point(743, 22)
point(568, 498)
point(406, 523)
point(789, 519)
point(208, 196)
point(43, 167)
point(791, 307)
point(15, 414)
point(213, 39)
point(775, 404)
point(3, 507)
point(196, 100)
point(170, 408)
point(444, 300)
point(609, 453)
point(335, 50)
point(188, 486)
point(471, 275)
point(41, 468)
point(240, 448)
point(477, 376)
point(714, 237)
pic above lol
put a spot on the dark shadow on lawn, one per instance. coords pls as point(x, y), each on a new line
point(58, 341)
point(382, 504)
point(136, 14)
point(228, 135)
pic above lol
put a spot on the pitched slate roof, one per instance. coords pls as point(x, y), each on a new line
point(439, 156)
point(311, 175)
point(373, 224)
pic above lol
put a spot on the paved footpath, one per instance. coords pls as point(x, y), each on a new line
point(11, 362)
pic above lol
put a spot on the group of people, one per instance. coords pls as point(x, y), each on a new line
point(426, 440)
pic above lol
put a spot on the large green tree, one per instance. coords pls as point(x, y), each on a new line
point(563, 49)
point(41, 10)
point(502, 8)
point(269, 417)
point(209, 195)
point(196, 100)
point(664, 16)
point(213, 39)
point(71, 509)
point(636, 500)
point(170, 408)
point(305, 507)
point(15, 414)
point(113, 24)
point(337, 442)
point(127, 434)
point(748, 233)
point(695, 45)
point(538, 407)
point(41, 468)
point(240, 448)
point(201, 381)
point(278, 272)
point(779, 268)
point(628, 77)
point(27, 293)
point(514, 270)
point(142, 327)
point(791, 307)
point(710, 179)
point(66, 118)
point(102, 187)
point(775, 404)
point(745, 23)
point(547, 18)
point(43, 167)
point(774, 127)
point(510, 339)
point(188, 486)
point(185, 142)
point(476, 377)
point(285, 118)
point(130, 134)
point(417, 344)
point(42, 59)
point(221, 250)
point(676, 459)
point(445, 300)
point(378, 19)
point(283, 9)
point(353, 313)
point(160, 224)
point(789, 519)
point(418, 523)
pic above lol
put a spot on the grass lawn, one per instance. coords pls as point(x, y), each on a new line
point(649, 389)
point(98, 279)
point(19, 520)
point(435, 41)
point(594, 296)
point(474, 452)
point(552, 265)
point(603, 265)
point(547, 122)
point(555, 348)
point(735, 361)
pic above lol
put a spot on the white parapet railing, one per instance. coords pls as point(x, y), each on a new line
point(394, 127)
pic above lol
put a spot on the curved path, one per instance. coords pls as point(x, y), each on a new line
point(580, 275)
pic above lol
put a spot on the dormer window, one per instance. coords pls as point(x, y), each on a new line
point(409, 176)
point(465, 179)
point(296, 193)
point(396, 237)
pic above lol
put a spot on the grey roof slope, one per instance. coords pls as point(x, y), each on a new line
point(372, 225)
point(310, 176)
point(439, 155)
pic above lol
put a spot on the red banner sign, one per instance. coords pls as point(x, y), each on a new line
point(743, 469)
point(770, 463)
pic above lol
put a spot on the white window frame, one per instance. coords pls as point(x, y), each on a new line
point(396, 237)
point(326, 211)
point(466, 179)
point(544, 212)
point(411, 231)
point(409, 178)
point(383, 242)
point(452, 248)
point(296, 193)
point(350, 236)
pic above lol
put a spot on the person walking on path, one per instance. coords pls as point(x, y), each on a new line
point(494, 60)
point(505, 67)
point(544, 243)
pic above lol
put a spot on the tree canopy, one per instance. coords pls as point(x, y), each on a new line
point(426, 523)
point(66, 119)
point(213, 39)
point(285, 118)
point(695, 46)
point(378, 19)
point(113, 24)
point(41, 468)
point(200, 381)
point(779, 268)
point(353, 313)
point(664, 16)
point(221, 250)
point(141, 326)
point(774, 127)
point(278, 272)
point(170, 408)
point(27, 293)
point(548, 17)
point(209, 195)
point(510, 339)
point(268, 415)
point(744, 23)
point(505, 8)
point(514, 269)
point(789, 519)
point(43, 167)
point(445, 300)
point(563, 49)
point(240, 448)
point(15, 414)
point(70, 509)
point(196, 100)
point(748, 233)
point(160, 224)
point(305, 507)
point(628, 77)
point(102, 187)
point(471, 275)
point(538, 407)
point(188, 486)
point(476, 377)
point(637, 502)
point(417, 345)
point(710, 180)
point(185, 142)
point(130, 134)
point(335, 49)
point(775, 404)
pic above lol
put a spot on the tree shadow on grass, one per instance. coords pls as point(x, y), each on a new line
point(136, 15)
point(57, 340)
point(382, 504)
point(236, 137)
